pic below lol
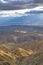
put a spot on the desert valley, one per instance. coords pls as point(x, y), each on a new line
point(21, 45)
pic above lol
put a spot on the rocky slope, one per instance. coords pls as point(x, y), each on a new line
point(30, 54)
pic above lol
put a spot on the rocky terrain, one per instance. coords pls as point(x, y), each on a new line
point(21, 45)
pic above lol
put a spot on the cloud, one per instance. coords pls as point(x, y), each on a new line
point(26, 1)
point(34, 1)
point(3, 1)
point(13, 13)
point(19, 13)
point(10, 1)
point(15, 4)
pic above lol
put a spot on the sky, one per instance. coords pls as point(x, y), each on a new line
point(18, 4)
point(19, 12)
point(14, 4)
point(9, 1)
point(33, 16)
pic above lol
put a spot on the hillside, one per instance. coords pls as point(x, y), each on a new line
point(21, 45)
point(26, 55)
